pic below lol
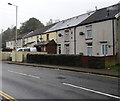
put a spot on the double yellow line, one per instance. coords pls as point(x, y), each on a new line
point(6, 96)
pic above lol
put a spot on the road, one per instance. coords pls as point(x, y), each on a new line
point(27, 82)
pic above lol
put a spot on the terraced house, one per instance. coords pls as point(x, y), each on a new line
point(66, 33)
point(96, 33)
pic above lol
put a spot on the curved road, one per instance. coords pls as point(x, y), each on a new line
point(27, 82)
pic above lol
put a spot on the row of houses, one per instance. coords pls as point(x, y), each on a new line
point(95, 33)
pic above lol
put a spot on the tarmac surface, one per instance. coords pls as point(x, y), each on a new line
point(76, 69)
point(23, 81)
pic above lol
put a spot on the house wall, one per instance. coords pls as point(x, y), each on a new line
point(10, 44)
point(7, 44)
point(19, 43)
point(118, 39)
point(61, 41)
point(31, 39)
point(102, 31)
point(52, 35)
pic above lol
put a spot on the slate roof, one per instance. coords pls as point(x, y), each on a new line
point(43, 43)
point(39, 31)
point(29, 43)
point(71, 22)
point(103, 14)
point(20, 36)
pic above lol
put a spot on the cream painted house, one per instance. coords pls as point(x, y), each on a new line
point(49, 36)
point(10, 44)
point(97, 39)
point(118, 36)
point(65, 33)
point(29, 40)
point(32, 38)
point(92, 34)
point(39, 35)
point(96, 36)
point(20, 42)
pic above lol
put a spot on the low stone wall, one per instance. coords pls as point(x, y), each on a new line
point(98, 62)
point(110, 61)
point(22, 56)
point(5, 56)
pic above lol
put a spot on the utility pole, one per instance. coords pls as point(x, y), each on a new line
point(16, 23)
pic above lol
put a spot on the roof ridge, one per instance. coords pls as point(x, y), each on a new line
point(108, 6)
point(78, 15)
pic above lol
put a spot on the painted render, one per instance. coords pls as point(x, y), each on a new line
point(10, 44)
point(101, 31)
point(62, 42)
point(118, 38)
point(51, 35)
point(29, 40)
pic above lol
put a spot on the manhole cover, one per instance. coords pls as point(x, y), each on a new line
point(61, 77)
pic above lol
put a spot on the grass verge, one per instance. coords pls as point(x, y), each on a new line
point(114, 68)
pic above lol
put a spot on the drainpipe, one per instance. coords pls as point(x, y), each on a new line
point(113, 29)
point(118, 39)
point(74, 40)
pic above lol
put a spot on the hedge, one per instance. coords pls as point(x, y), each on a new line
point(65, 60)
point(72, 60)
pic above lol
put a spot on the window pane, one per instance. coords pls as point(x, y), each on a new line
point(106, 50)
point(67, 48)
point(103, 49)
point(89, 34)
point(89, 51)
point(89, 31)
point(66, 36)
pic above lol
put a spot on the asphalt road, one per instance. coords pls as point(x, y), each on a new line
point(27, 82)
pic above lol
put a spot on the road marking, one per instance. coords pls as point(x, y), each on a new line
point(24, 74)
point(101, 75)
point(90, 74)
point(94, 91)
point(6, 96)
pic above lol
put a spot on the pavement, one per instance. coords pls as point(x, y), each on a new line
point(76, 69)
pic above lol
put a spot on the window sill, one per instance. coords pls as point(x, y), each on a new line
point(88, 38)
point(66, 41)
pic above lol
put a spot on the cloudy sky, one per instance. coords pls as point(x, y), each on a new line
point(46, 9)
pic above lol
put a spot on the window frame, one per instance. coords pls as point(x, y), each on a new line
point(67, 36)
point(89, 34)
point(104, 49)
point(47, 37)
point(67, 49)
point(89, 45)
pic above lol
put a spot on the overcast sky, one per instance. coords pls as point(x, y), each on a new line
point(46, 9)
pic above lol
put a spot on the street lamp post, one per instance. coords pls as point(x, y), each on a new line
point(16, 23)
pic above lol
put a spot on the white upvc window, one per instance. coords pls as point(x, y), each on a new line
point(89, 49)
point(66, 35)
point(67, 50)
point(104, 49)
point(89, 32)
